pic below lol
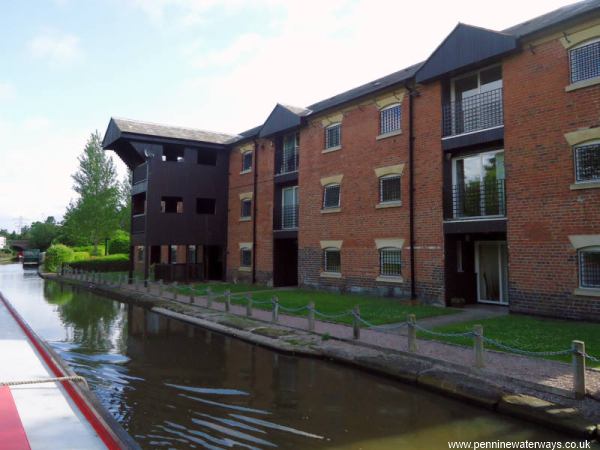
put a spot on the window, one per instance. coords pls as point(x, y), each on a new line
point(333, 135)
point(205, 205)
point(246, 210)
point(390, 262)
point(289, 154)
point(459, 256)
point(589, 267)
point(172, 153)
point(191, 254)
point(389, 189)
point(247, 162)
point(289, 207)
point(245, 257)
point(389, 119)
point(171, 205)
point(585, 61)
point(332, 261)
point(587, 162)
point(138, 203)
point(207, 157)
point(331, 196)
point(173, 254)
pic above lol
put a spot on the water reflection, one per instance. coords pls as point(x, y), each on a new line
point(173, 385)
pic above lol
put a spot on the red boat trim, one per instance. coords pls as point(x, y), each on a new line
point(92, 417)
point(12, 433)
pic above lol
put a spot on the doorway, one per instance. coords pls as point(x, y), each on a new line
point(491, 265)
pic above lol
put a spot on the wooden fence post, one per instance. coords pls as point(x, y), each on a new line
point(249, 305)
point(275, 312)
point(356, 323)
point(227, 300)
point(478, 345)
point(412, 333)
point(209, 299)
point(578, 368)
point(311, 316)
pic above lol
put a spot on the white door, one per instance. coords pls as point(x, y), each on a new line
point(491, 263)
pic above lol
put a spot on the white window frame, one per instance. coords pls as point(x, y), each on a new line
point(575, 148)
point(249, 169)
point(575, 47)
point(339, 202)
point(381, 112)
point(331, 250)
point(328, 145)
point(580, 252)
point(381, 252)
point(384, 177)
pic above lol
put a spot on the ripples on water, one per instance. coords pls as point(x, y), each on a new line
point(173, 385)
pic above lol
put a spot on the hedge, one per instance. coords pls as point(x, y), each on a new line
point(56, 255)
point(90, 249)
point(110, 263)
point(119, 243)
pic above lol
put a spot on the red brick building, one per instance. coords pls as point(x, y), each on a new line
point(474, 175)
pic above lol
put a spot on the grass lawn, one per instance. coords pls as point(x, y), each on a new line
point(376, 310)
point(217, 287)
point(529, 333)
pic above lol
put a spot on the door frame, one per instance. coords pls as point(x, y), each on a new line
point(503, 295)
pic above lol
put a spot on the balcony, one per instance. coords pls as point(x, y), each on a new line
point(474, 113)
point(478, 200)
point(139, 174)
point(138, 224)
point(286, 218)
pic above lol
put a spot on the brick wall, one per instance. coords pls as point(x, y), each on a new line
point(359, 222)
point(542, 209)
point(241, 231)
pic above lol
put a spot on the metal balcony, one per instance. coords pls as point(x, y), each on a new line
point(287, 164)
point(475, 113)
point(139, 173)
point(286, 218)
point(478, 200)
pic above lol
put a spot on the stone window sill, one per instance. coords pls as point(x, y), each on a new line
point(245, 171)
point(587, 292)
point(331, 210)
point(244, 269)
point(582, 84)
point(588, 185)
point(389, 279)
point(331, 275)
point(331, 149)
point(388, 205)
point(388, 135)
point(245, 219)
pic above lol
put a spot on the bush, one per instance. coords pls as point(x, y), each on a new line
point(119, 243)
point(110, 263)
point(90, 249)
point(56, 255)
point(80, 256)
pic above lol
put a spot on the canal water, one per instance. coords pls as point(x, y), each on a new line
point(174, 385)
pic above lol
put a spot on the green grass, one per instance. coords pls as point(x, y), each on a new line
point(217, 287)
point(376, 310)
point(528, 333)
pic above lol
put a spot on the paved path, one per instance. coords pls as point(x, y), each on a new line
point(553, 374)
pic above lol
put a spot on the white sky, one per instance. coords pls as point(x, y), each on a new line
point(71, 64)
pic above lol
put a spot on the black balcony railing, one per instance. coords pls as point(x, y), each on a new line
point(474, 113)
point(478, 199)
point(138, 223)
point(286, 218)
point(287, 163)
point(139, 173)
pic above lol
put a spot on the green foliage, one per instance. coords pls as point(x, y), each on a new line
point(57, 255)
point(92, 217)
point(119, 243)
point(41, 234)
point(90, 249)
point(80, 256)
point(110, 263)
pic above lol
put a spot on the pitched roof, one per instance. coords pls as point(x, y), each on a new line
point(555, 17)
point(168, 131)
point(283, 117)
point(365, 89)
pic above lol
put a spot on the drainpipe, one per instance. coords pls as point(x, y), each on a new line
point(411, 182)
point(254, 208)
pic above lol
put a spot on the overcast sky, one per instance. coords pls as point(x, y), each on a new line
point(67, 66)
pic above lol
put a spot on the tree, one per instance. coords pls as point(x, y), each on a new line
point(41, 234)
point(93, 216)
